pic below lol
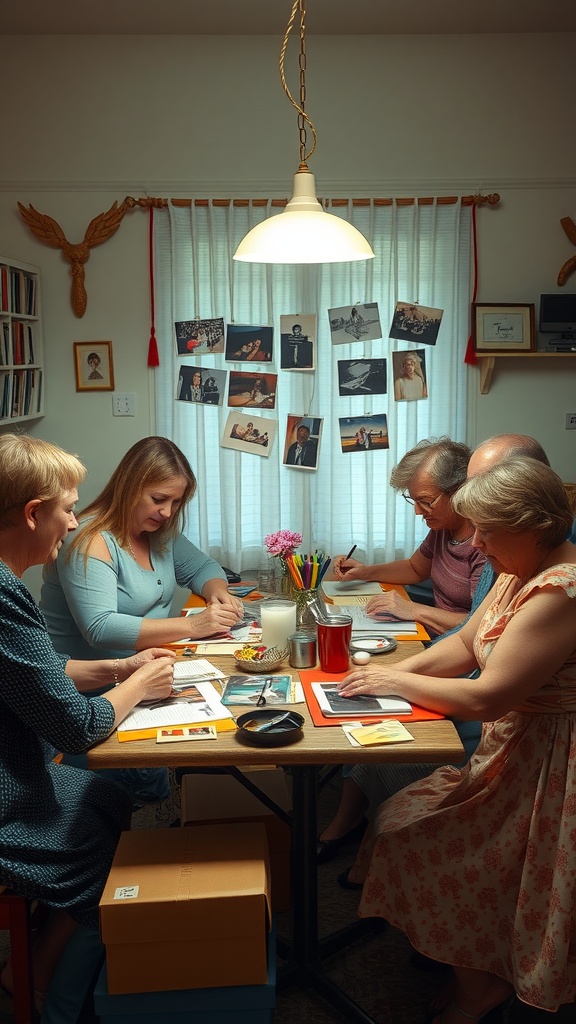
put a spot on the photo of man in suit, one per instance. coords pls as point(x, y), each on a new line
point(304, 450)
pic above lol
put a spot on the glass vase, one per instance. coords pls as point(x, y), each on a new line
point(305, 618)
point(283, 579)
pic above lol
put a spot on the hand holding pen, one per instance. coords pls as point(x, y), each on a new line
point(345, 567)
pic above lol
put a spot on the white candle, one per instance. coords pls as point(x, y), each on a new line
point(278, 623)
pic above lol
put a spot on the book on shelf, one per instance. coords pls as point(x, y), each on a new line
point(258, 690)
point(332, 704)
point(197, 704)
point(4, 288)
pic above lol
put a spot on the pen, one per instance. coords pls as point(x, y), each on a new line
point(351, 552)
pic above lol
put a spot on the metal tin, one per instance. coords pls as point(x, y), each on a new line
point(302, 650)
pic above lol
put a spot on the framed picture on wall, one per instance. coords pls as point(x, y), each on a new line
point(93, 366)
point(503, 327)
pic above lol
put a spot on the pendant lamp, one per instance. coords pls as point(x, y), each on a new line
point(303, 232)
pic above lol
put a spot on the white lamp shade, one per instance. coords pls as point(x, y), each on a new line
point(303, 233)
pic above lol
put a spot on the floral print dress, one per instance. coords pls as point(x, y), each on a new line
point(478, 866)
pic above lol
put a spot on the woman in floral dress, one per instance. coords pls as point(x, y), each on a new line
point(478, 866)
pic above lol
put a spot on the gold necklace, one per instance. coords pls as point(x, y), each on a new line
point(131, 550)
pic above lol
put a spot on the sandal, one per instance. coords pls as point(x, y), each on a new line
point(345, 882)
point(328, 848)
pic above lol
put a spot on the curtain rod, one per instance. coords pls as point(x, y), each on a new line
point(475, 200)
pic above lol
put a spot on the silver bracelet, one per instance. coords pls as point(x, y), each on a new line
point(114, 670)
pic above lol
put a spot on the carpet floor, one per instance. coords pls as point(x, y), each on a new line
point(374, 971)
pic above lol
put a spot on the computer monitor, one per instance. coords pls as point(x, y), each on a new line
point(558, 313)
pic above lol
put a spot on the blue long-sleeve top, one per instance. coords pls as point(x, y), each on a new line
point(94, 609)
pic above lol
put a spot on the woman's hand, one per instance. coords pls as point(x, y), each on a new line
point(154, 677)
point(378, 682)
point(390, 605)
point(228, 600)
point(217, 618)
point(348, 568)
point(126, 666)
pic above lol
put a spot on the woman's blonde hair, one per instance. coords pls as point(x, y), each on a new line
point(148, 463)
point(517, 495)
point(34, 469)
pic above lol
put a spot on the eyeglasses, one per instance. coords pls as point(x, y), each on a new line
point(427, 505)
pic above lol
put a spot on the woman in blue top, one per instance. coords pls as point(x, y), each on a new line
point(112, 588)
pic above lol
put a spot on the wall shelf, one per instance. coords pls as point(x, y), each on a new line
point(486, 363)
point(21, 361)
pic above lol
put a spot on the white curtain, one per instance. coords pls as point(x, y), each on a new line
point(423, 255)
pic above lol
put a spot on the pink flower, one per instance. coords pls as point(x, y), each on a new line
point(283, 543)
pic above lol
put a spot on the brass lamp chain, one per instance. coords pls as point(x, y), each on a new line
point(303, 119)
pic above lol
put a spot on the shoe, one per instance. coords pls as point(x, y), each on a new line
point(328, 848)
point(345, 882)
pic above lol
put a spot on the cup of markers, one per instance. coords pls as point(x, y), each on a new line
point(306, 573)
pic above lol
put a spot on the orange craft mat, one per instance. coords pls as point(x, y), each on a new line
point(313, 675)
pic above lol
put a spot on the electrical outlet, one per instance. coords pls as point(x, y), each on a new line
point(571, 421)
point(123, 403)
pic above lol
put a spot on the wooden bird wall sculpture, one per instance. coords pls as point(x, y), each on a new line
point(99, 230)
point(570, 265)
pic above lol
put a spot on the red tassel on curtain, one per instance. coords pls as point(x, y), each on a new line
point(470, 357)
point(153, 357)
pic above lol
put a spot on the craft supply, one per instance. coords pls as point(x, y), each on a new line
point(278, 623)
point(334, 643)
point(302, 650)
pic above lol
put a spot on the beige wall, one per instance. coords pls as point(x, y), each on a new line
point(89, 120)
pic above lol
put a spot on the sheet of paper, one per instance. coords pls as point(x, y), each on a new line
point(198, 704)
point(376, 734)
point(353, 588)
point(364, 623)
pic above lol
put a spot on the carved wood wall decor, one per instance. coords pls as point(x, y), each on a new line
point(99, 230)
point(570, 265)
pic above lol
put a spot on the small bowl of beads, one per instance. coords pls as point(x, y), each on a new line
point(257, 658)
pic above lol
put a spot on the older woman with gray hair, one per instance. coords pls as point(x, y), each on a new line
point(491, 888)
point(426, 477)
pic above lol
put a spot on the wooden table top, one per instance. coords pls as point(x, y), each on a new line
point(434, 741)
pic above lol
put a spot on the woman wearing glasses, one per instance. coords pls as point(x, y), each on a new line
point(427, 476)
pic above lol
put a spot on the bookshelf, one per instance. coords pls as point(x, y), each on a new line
point(21, 358)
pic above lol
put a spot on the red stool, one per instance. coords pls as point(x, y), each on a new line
point(15, 917)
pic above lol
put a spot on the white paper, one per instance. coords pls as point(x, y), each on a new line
point(178, 711)
point(363, 622)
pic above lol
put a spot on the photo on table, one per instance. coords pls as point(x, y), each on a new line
point(258, 691)
point(199, 337)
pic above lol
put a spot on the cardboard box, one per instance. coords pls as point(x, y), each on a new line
point(245, 1004)
point(187, 908)
point(211, 798)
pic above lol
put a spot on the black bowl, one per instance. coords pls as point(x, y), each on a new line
point(256, 728)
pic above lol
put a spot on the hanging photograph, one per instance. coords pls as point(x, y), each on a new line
point(93, 366)
point(298, 341)
point(363, 433)
point(201, 384)
point(245, 343)
point(199, 337)
point(503, 327)
point(361, 376)
point(251, 434)
point(412, 322)
point(302, 442)
point(355, 323)
point(252, 389)
point(410, 375)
